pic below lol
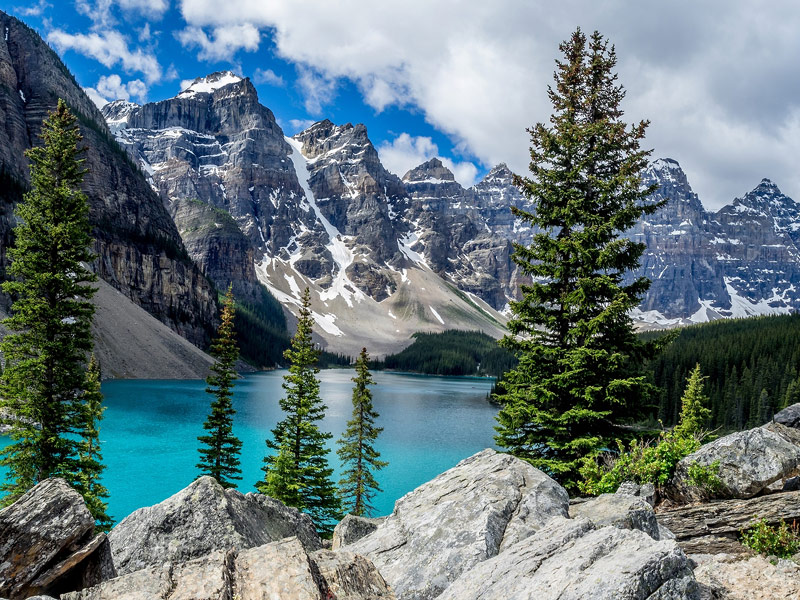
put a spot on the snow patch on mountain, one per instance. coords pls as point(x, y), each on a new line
point(209, 84)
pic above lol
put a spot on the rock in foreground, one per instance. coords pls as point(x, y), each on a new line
point(462, 517)
point(749, 461)
point(789, 416)
point(723, 576)
point(571, 559)
point(47, 543)
point(281, 570)
point(201, 519)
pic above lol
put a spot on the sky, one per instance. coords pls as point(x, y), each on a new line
point(463, 79)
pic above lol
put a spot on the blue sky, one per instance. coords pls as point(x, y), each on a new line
point(462, 79)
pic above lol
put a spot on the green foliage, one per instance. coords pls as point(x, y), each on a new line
point(356, 450)
point(451, 353)
point(220, 449)
point(299, 431)
point(705, 477)
point(782, 540)
point(654, 461)
point(282, 480)
point(45, 379)
point(580, 371)
point(742, 358)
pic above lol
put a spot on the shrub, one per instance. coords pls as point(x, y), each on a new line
point(780, 540)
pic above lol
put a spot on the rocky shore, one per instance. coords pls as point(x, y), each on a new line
point(491, 528)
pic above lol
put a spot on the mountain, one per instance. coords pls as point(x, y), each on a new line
point(317, 210)
point(139, 251)
point(741, 261)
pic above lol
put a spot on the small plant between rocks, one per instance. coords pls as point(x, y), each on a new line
point(781, 540)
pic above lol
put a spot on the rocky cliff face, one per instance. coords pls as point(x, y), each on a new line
point(139, 250)
point(317, 210)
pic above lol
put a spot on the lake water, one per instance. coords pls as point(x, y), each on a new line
point(149, 433)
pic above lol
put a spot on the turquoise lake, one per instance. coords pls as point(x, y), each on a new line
point(149, 432)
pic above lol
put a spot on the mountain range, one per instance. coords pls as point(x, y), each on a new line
point(204, 190)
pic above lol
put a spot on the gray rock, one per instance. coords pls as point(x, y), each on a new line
point(752, 578)
point(648, 493)
point(462, 517)
point(619, 510)
point(572, 559)
point(789, 416)
point(352, 528)
point(200, 519)
point(281, 570)
point(47, 543)
point(749, 461)
point(630, 488)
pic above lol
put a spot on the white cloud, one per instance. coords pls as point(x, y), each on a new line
point(102, 12)
point(719, 85)
point(111, 87)
point(224, 42)
point(34, 10)
point(318, 89)
point(298, 125)
point(406, 152)
point(95, 97)
point(148, 8)
point(269, 77)
point(144, 33)
point(110, 48)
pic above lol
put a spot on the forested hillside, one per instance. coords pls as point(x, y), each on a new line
point(451, 353)
point(752, 367)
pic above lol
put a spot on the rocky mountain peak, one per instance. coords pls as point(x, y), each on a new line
point(500, 176)
point(210, 83)
point(432, 170)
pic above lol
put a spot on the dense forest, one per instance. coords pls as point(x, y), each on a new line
point(752, 367)
point(451, 353)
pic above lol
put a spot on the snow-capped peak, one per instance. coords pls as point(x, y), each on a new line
point(665, 164)
point(210, 83)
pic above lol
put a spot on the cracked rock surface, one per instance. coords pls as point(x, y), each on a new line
point(464, 516)
point(203, 518)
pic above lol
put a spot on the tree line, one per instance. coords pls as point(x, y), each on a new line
point(451, 353)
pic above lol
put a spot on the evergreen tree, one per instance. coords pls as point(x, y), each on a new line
point(580, 364)
point(90, 460)
point(303, 406)
point(356, 451)
point(694, 414)
point(45, 355)
point(220, 449)
point(282, 480)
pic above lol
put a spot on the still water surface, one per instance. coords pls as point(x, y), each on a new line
point(150, 430)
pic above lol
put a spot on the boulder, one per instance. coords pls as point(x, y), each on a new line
point(619, 510)
point(281, 569)
point(353, 528)
point(789, 416)
point(47, 543)
point(571, 558)
point(462, 517)
point(200, 519)
point(749, 461)
point(755, 578)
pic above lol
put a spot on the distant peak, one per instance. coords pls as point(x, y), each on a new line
point(431, 170)
point(210, 83)
point(665, 163)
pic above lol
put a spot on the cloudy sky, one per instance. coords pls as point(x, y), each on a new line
point(462, 79)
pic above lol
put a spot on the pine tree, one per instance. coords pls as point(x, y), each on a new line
point(282, 480)
point(220, 449)
point(45, 375)
point(694, 412)
point(580, 364)
point(299, 431)
point(356, 450)
point(90, 460)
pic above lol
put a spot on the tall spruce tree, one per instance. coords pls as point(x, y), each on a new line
point(356, 446)
point(45, 376)
point(299, 432)
point(90, 459)
point(220, 449)
point(694, 415)
point(580, 363)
